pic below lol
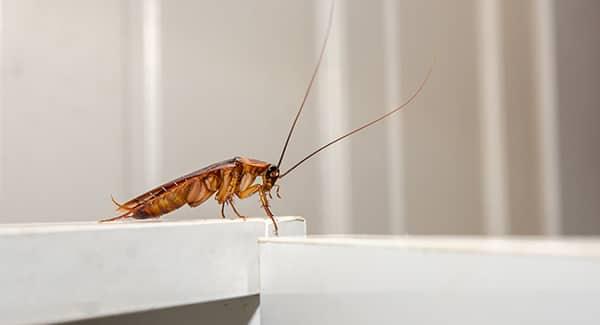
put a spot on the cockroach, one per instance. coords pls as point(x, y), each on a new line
point(237, 176)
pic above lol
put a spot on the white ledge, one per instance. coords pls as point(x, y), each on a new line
point(429, 280)
point(574, 247)
point(61, 272)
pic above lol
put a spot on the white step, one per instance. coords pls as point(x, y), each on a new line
point(429, 280)
point(61, 272)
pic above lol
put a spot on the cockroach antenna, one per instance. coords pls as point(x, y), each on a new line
point(312, 80)
point(408, 101)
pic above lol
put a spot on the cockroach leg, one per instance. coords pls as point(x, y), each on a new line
point(236, 211)
point(265, 204)
point(249, 191)
point(272, 217)
point(223, 210)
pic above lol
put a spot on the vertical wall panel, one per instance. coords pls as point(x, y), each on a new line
point(367, 100)
point(2, 104)
point(543, 16)
point(492, 118)
point(395, 142)
point(332, 86)
point(441, 134)
point(578, 73)
point(151, 11)
point(62, 109)
point(520, 113)
point(134, 143)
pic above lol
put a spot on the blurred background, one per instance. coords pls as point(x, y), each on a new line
point(103, 97)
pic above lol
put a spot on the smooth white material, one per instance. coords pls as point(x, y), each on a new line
point(431, 280)
point(60, 272)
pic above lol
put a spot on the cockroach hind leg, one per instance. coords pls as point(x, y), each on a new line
point(243, 217)
point(223, 210)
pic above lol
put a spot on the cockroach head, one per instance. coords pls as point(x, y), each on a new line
point(272, 174)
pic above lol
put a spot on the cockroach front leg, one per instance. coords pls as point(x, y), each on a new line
point(265, 205)
point(263, 201)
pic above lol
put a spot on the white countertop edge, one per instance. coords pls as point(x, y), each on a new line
point(556, 246)
point(33, 228)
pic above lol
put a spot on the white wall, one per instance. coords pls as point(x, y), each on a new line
point(101, 97)
point(62, 109)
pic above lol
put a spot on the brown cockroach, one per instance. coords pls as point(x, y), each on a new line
point(233, 177)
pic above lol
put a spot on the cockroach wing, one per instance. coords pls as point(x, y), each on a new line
point(181, 181)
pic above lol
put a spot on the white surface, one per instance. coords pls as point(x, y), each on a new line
point(59, 272)
point(430, 280)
